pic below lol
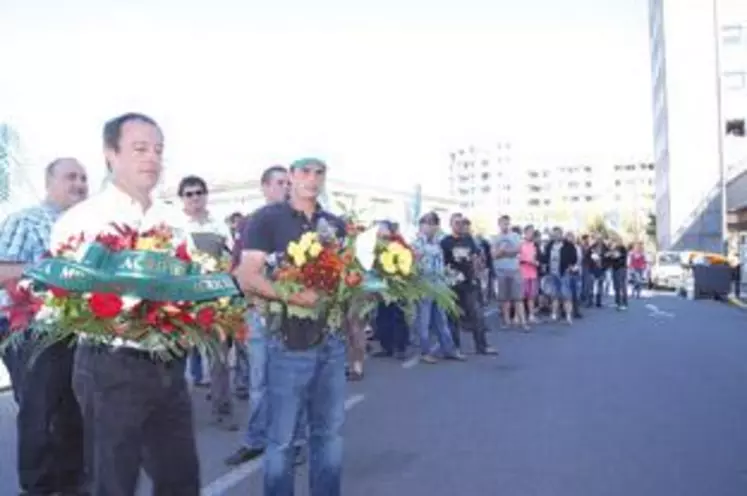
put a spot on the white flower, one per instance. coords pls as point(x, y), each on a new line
point(365, 247)
point(25, 284)
point(48, 314)
point(129, 302)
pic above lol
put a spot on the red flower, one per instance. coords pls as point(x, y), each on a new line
point(182, 253)
point(205, 316)
point(23, 307)
point(105, 305)
point(58, 292)
point(353, 279)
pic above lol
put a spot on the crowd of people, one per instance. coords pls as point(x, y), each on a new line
point(91, 416)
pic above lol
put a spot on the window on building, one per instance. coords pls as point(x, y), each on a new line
point(588, 184)
point(485, 176)
point(735, 80)
point(589, 198)
point(735, 127)
point(486, 189)
point(534, 202)
point(733, 34)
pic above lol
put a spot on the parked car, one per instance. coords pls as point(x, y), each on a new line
point(666, 270)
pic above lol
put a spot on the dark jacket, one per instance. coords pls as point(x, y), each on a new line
point(568, 256)
point(596, 268)
point(617, 257)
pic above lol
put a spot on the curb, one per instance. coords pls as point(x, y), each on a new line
point(737, 302)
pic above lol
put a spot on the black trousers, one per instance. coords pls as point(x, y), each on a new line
point(49, 424)
point(392, 328)
point(472, 318)
point(137, 412)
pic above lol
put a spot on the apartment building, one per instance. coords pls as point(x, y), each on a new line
point(694, 52)
point(489, 181)
point(481, 177)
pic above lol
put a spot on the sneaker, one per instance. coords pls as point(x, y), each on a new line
point(488, 351)
point(458, 356)
point(243, 455)
point(430, 359)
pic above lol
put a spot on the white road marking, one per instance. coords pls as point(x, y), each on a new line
point(655, 312)
point(235, 476)
point(410, 363)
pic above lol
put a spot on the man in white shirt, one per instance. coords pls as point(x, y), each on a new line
point(137, 411)
point(212, 236)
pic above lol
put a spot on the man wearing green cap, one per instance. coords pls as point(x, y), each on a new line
point(305, 361)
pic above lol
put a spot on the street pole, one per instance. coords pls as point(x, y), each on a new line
point(721, 130)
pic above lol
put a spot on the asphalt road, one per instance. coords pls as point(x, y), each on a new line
point(646, 402)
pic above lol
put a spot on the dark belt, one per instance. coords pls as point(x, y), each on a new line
point(128, 352)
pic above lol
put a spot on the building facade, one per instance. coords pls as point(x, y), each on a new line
point(489, 181)
point(481, 177)
point(686, 72)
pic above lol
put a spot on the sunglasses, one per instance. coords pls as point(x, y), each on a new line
point(198, 193)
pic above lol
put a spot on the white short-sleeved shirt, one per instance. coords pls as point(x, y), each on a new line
point(208, 225)
point(96, 215)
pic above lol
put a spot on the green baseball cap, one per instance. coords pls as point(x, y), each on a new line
point(308, 162)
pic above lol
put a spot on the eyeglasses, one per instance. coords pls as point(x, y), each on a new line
point(197, 193)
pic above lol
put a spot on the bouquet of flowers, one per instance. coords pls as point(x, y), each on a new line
point(322, 261)
point(127, 286)
point(394, 263)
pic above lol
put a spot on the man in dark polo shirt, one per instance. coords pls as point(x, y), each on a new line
point(305, 361)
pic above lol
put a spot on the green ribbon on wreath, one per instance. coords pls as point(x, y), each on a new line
point(147, 275)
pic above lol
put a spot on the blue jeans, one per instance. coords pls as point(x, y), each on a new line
point(311, 379)
point(560, 286)
point(429, 314)
point(595, 287)
point(620, 286)
point(256, 432)
point(241, 372)
point(195, 366)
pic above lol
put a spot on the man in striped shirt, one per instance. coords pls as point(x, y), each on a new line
point(50, 460)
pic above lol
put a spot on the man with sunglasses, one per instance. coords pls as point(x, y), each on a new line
point(211, 235)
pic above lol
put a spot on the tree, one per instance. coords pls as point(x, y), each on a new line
point(598, 226)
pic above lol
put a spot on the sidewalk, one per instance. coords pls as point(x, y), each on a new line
point(4, 378)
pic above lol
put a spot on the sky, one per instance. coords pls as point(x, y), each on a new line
point(382, 90)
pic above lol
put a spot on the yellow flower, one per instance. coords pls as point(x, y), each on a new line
point(387, 259)
point(147, 244)
point(404, 261)
point(307, 240)
point(224, 302)
point(395, 247)
point(297, 253)
point(315, 249)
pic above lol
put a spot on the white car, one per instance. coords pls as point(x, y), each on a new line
point(666, 271)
